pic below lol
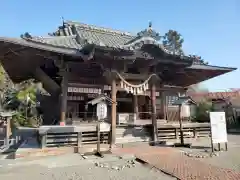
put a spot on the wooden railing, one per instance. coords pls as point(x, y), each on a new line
point(69, 136)
point(74, 139)
point(188, 132)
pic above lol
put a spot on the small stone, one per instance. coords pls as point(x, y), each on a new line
point(128, 165)
point(84, 157)
point(115, 167)
point(97, 164)
point(105, 165)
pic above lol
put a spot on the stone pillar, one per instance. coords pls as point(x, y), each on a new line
point(154, 120)
point(64, 92)
point(114, 112)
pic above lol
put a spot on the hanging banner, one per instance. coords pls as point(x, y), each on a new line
point(218, 127)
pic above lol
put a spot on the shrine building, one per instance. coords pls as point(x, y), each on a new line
point(77, 62)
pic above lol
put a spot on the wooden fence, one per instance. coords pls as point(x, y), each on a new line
point(188, 132)
point(55, 136)
point(75, 137)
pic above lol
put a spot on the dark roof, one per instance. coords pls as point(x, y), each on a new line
point(72, 37)
point(78, 35)
point(111, 38)
point(210, 67)
point(194, 74)
point(48, 44)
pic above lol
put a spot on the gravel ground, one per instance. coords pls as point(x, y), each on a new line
point(114, 170)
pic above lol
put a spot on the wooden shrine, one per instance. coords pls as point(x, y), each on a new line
point(78, 62)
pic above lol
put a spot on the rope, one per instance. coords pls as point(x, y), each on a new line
point(133, 85)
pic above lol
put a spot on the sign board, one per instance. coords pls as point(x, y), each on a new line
point(218, 127)
point(126, 118)
point(123, 118)
point(101, 110)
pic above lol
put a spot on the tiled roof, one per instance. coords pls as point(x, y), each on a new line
point(96, 35)
point(111, 38)
point(215, 95)
point(71, 37)
point(61, 41)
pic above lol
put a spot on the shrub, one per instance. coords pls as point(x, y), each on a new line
point(202, 112)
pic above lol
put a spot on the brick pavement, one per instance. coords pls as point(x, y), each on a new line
point(173, 162)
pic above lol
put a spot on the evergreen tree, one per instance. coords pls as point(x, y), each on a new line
point(173, 41)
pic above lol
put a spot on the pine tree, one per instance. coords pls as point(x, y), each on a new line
point(173, 41)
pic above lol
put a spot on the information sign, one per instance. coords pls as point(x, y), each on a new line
point(218, 127)
point(101, 110)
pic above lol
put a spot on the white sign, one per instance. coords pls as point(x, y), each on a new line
point(101, 110)
point(104, 127)
point(218, 127)
point(123, 118)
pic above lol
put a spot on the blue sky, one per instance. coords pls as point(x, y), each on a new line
point(211, 28)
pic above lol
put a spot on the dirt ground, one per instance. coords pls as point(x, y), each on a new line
point(73, 167)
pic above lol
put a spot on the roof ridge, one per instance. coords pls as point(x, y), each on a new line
point(94, 27)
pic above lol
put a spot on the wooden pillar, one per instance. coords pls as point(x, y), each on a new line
point(114, 112)
point(85, 115)
point(163, 103)
point(64, 92)
point(135, 106)
point(154, 120)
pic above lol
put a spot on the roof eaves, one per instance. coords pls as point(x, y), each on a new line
point(41, 46)
point(210, 67)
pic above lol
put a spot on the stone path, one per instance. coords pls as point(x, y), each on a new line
point(173, 162)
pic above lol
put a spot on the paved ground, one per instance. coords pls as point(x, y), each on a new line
point(222, 167)
point(74, 167)
point(225, 159)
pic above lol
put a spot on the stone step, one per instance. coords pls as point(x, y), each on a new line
point(121, 140)
point(133, 132)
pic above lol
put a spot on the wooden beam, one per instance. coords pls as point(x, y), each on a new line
point(48, 84)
